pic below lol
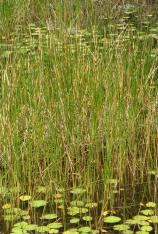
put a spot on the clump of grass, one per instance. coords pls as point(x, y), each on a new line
point(77, 105)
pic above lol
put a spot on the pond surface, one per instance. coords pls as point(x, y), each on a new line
point(73, 212)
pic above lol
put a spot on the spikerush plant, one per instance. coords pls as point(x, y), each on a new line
point(76, 107)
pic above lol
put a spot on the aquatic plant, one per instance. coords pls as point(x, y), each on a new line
point(78, 113)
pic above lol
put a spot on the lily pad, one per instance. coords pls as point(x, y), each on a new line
point(142, 232)
point(77, 203)
point(87, 218)
point(54, 225)
point(91, 205)
point(78, 190)
point(154, 219)
point(127, 232)
point(58, 195)
point(146, 228)
point(53, 231)
point(83, 210)
point(85, 229)
point(21, 224)
point(38, 203)
point(151, 204)
point(6, 206)
point(95, 231)
point(74, 220)
point(25, 198)
point(17, 230)
point(71, 231)
point(121, 227)
point(11, 217)
point(13, 211)
point(147, 212)
point(23, 213)
point(112, 219)
point(49, 216)
point(77, 210)
point(61, 207)
point(59, 201)
point(26, 217)
point(143, 223)
point(73, 210)
point(140, 218)
point(131, 222)
point(31, 227)
point(41, 189)
point(42, 229)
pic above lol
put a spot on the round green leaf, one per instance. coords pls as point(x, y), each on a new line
point(143, 223)
point(26, 217)
point(31, 227)
point(112, 219)
point(77, 203)
point(17, 230)
point(54, 225)
point(38, 203)
point(53, 231)
point(154, 219)
point(73, 210)
point(41, 189)
point(11, 217)
point(59, 201)
point(71, 231)
point(131, 222)
point(140, 218)
point(146, 228)
point(83, 210)
point(121, 227)
point(142, 232)
point(127, 232)
point(78, 190)
point(58, 195)
point(42, 229)
point(151, 204)
point(15, 210)
point(49, 216)
point(85, 229)
point(74, 220)
point(87, 218)
point(21, 224)
point(91, 205)
point(147, 212)
point(25, 198)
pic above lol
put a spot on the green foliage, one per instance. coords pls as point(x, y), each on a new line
point(38, 203)
point(78, 107)
point(112, 219)
point(49, 216)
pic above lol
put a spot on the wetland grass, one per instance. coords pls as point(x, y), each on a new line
point(78, 116)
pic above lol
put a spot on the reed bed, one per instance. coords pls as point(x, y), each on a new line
point(78, 104)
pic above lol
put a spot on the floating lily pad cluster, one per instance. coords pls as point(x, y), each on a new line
point(78, 211)
point(26, 228)
point(142, 223)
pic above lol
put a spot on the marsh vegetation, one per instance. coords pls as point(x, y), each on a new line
point(78, 116)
